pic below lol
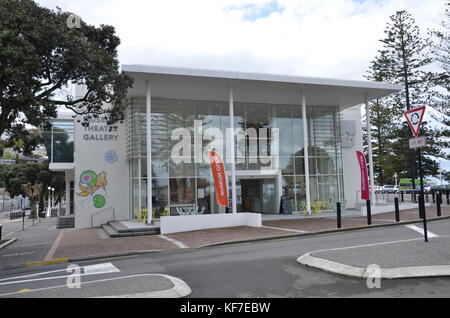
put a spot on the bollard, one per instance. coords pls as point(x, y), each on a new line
point(403, 196)
point(433, 195)
point(1, 232)
point(397, 211)
point(438, 203)
point(420, 207)
point(448, 198)
point(369, 212)
point(23, 220)
point(339, 220)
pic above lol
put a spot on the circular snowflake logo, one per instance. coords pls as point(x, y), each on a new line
point(111, 157)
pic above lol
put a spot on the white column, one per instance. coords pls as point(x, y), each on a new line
point(67, 196)
point(369, 144)
point(149, 153)
point(306, 153)
point(232, 153)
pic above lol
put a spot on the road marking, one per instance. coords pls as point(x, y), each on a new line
point(18, 254)
point(180, 289)
point(55, 245)
point(365, 245)
point(421, 231)
point(97, 269)
point(174, 241)
point(49, 262)
point(284, 229)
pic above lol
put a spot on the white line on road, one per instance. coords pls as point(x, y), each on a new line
point(19, 254)
point(174, 241)
point(284, 229)
point(97, 269)
point(421, 231)
point(180, 289)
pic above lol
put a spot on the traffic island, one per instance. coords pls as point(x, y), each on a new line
point(6, 243)
point(394, 260)
point(134, 286)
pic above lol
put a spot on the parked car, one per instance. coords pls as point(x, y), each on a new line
point(388, 189)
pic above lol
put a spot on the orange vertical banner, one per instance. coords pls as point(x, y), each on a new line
point(220, 179)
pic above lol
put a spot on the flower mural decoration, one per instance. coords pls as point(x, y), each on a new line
point(90, 182)
point(111, 157)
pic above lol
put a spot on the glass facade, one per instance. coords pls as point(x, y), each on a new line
point(59, 141)
point(190, 185)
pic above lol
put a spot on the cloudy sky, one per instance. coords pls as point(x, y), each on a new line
point(323, 38)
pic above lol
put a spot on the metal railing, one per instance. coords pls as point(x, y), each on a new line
point(101, 212)
point(385, 197)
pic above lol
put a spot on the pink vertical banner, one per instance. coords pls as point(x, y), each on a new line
point(365, 193)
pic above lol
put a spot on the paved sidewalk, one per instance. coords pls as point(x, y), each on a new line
point(330, 223)
point(402, 259)
point(32, 244)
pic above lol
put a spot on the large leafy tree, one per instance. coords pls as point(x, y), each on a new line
point(43, 51)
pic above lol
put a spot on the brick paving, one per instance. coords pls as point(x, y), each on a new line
point(216, 236)
point(87, 243)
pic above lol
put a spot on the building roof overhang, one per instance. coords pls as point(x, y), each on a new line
point(201, 84)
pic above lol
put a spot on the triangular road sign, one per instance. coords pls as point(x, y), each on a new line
point(414, 118)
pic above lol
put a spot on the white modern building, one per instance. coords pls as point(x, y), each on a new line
point(109, 177)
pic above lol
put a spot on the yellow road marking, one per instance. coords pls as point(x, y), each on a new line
point(24, 290)
point(50, 262)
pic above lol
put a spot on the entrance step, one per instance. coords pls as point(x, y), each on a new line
point(119, 229)
point(65, 222)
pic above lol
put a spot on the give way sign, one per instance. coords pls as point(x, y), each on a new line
point(414, 118)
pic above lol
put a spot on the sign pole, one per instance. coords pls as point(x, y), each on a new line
point(414, 119)
point(422, 209)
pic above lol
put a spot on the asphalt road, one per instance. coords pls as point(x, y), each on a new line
point(260, 269)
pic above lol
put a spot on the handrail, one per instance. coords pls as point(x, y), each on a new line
point(99, 212)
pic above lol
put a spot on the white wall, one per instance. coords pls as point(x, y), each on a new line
point(101, 151)
point(352, 176)
point(176, 224)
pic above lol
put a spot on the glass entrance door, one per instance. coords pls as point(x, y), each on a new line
point(257, 195)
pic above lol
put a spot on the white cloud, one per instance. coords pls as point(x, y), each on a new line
point(324, 38)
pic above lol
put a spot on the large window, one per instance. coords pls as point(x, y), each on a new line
point(59, 141)
point(191, 185)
